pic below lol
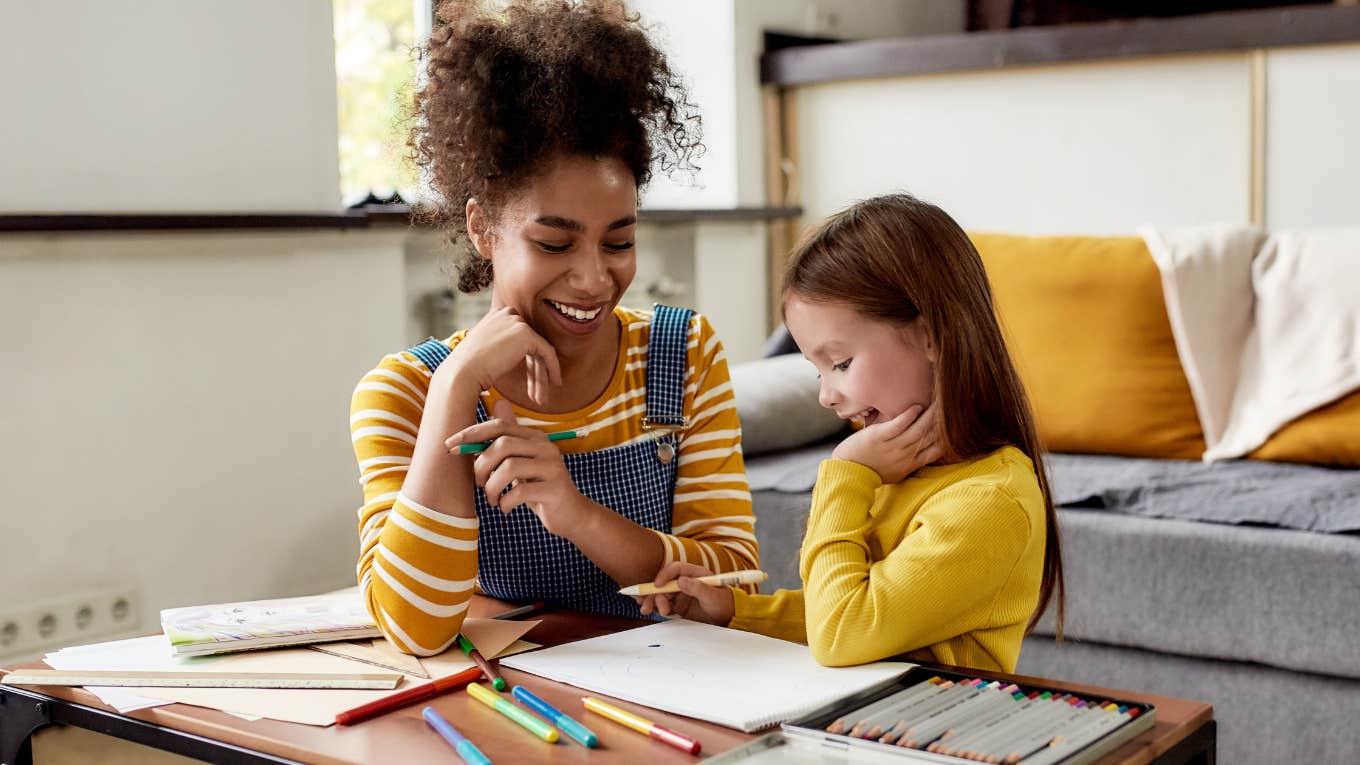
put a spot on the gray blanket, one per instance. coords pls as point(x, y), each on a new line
point(1237, 492)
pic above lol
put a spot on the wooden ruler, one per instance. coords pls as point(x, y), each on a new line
point(134, 679)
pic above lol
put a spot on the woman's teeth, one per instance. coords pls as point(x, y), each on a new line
point(574, 313)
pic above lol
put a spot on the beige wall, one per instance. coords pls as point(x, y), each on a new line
point(165, 105)
point(175, 410)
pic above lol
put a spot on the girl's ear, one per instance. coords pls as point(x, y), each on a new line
point(479, 228)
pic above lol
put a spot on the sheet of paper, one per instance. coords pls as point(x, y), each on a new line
point(730, 677)
point(493, 637)
point(377, 653)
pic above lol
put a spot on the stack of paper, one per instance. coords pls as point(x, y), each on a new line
point(312, 707)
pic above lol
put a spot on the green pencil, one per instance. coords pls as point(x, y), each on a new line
point(481, 445)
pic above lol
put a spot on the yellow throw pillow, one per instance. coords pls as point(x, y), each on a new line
point(1087, 327)
point(1328, 435)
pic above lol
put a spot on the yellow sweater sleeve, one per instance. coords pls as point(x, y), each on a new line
point(417, 565)
point(939, 582)
point(712, 523)
point(779, 615)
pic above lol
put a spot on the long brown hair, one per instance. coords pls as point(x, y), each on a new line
point(895, 258)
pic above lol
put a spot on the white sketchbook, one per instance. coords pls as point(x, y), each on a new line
point(734, 678)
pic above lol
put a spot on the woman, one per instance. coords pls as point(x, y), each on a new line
point(540, 122)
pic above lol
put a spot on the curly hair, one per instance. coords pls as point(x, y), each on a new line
point(509, 87)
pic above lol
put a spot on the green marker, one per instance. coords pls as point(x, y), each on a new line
point(532, 724)
point(481, 445)
point(488, 668)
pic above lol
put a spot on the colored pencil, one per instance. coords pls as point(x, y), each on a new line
point(729, 579)
point(465, 749)
point(412, 694)
point(559, 718)
point(482, 446)
point(488, 668)
point(525, 610)
point(642, 725)
point(842, 723)
point(527, 721)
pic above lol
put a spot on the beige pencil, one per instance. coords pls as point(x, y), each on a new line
point(730, 579)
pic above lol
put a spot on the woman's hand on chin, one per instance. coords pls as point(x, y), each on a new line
point(523, 460)
point(498, 344)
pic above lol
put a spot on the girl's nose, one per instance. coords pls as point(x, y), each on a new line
point(827, 395)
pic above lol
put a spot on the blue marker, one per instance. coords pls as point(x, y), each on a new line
point(470, 754)
point(569, 726)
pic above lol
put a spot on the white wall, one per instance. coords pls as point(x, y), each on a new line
point(716, 47)
point(176, 410)
point(167, 106)
point(1077, 148)
point(1312, 123)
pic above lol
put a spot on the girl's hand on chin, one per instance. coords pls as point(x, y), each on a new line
point(898, 447)
point(523, 460)
point(499, 343)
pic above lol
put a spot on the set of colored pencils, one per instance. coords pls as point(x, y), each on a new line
point(992, 722)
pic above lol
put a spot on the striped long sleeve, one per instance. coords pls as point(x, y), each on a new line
point(712, 522)
point(417, 566)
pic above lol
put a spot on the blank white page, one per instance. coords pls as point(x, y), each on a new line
point(727, 676)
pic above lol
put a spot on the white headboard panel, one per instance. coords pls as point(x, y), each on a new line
point(1312, 143)
point(1091, 147)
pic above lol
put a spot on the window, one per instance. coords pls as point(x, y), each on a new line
point(375, 69)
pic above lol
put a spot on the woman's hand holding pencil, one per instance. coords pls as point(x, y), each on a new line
point(695, 600)
point(527, 466)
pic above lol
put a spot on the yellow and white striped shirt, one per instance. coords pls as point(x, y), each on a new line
point(417, 565)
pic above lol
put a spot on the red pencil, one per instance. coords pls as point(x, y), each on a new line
point(414, 693)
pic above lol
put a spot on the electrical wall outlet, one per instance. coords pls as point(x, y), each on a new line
point(72, 620)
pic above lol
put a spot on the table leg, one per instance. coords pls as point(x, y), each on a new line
point(20, 716)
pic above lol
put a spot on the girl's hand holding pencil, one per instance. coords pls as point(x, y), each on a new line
point(695, 601)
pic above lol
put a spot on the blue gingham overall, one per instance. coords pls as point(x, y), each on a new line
point(517, 559)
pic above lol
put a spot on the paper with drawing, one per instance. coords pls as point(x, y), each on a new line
point(730, 677)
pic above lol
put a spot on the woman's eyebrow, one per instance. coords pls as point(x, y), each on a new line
point(567, 224)
point(553, 221)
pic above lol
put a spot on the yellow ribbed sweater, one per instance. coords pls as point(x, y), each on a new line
point(945, 565)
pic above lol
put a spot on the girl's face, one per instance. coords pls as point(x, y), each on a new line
point(562, 249)
point(871, 370)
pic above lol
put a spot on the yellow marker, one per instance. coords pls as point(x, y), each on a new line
point(730, 579)
point(532, 724)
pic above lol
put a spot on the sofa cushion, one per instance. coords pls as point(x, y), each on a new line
point(777, 404)
point(1273, 596)
point(1086, 323)
point(1327, 435)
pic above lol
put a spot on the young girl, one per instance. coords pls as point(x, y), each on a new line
point(539, 123)
point(932, 532)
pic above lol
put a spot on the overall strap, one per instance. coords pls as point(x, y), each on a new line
point(667, 360)
point(431, 353)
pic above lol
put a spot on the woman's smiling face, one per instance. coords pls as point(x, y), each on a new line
point(562, 248)
point(871, 370)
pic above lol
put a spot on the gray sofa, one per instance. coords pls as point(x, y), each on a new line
point(1235, 583)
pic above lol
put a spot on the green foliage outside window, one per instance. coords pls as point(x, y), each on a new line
point(375, 74)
